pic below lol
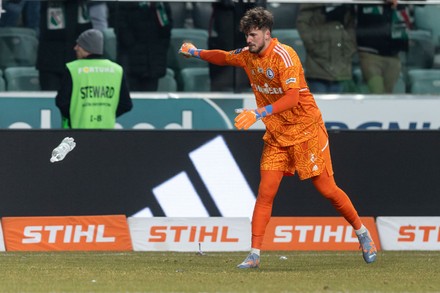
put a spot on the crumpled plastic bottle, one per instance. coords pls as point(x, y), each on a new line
point(60, 152)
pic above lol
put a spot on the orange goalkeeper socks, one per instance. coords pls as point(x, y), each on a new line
point(270, 181)
point(326, 185)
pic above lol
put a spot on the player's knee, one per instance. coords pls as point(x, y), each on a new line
point(266, 194)
point(330, 193)
point(328, 190)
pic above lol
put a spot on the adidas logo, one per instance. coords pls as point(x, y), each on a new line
point(222, 177)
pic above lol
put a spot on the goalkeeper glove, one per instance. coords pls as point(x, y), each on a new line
point(189, 50)
point(246, 118)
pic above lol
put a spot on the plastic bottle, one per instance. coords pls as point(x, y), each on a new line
point(60, 152)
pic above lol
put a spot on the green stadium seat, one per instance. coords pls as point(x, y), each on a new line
point(199, 37)
point(168, 82)
point(22, 79)
point(359, 81)
point(421, 50)
point(426, 17)
point(110, 43)
point(400, 87)
point(292, 38)
point(424, 81)
point(196, 79)
point(2, 82)
point(362, 87)
point(18, 47)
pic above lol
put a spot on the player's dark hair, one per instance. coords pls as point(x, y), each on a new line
point(256, 18)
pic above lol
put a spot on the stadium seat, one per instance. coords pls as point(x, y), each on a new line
point(400, 87)
point(18, 47)
point(285, 14)
point(110, 43)
point(426, 17)
point(199, 37)
point(424, 81)
point(196, 79)
point(168, 82)
point(420, 51)
point(22, 79)
point(359, 81)
point(292, 38)
point(362, 87)
point(2, 82)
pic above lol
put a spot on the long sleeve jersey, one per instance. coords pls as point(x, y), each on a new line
point(271, 74)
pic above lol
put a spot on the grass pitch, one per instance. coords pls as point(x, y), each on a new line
point(217, 272)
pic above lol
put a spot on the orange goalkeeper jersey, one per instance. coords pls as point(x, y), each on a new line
point(271, 75)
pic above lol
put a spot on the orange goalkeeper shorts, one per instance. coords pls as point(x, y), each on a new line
point(309, 158)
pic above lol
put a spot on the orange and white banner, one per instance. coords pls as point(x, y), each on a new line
point(314, 233)
point(190, 234)
point(409, 233)
point(2, 242)
point(67, 233)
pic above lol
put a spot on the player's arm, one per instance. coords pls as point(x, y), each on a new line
point(246, 118)
point(217, 57)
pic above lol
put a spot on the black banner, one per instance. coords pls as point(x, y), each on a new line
point(385, 173)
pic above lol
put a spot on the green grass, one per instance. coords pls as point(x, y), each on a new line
point(216, 272)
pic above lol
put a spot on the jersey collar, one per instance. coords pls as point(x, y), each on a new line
point(269, 48)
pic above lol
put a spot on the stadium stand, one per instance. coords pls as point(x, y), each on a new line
point(199, 37)
point(196, 79)
point(424, 81)
point(359, 81)
point(22, 79)
point(284, 14)
point(292, 38)
point(201, 15)
point(179, 13)
point(18, 47)
point(427, 18)
point(421, 49)
point(191, 22)
point(2, 82)
point(168, 83)
point(362, 87)
point(400, 87)
point(110, 43)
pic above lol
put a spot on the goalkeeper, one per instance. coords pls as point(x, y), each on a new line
point(296, 139)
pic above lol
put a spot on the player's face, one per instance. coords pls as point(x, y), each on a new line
point(258, 40)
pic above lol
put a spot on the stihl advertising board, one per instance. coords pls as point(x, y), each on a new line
point(409, 233)
point(314, 233)
point(66, 233)
point(190, 234)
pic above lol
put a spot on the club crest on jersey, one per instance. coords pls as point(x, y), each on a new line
point(238, 51)
point(269, 73)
